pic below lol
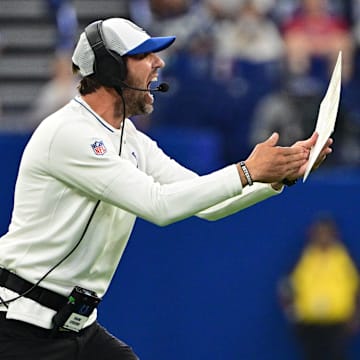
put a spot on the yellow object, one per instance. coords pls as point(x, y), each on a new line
point(325, 284)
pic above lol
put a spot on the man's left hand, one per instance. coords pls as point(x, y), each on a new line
point(308, 144)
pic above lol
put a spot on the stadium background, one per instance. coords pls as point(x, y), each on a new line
point(192, 290)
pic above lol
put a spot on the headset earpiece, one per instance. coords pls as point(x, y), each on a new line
point(109, 67)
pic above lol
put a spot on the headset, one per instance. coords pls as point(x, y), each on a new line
point(109, 67)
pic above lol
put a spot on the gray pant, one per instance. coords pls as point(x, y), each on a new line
point(22, 341)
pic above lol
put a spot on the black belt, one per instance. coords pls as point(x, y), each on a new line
point(41, 295)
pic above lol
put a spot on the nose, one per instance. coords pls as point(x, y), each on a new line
point(158, 61)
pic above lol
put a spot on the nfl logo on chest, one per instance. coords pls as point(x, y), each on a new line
point(99, 147)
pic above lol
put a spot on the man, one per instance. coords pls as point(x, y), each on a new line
point(85, 175)
point(321, 294)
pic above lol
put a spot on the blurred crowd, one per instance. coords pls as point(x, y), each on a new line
point(240, 69)
point(246, 68)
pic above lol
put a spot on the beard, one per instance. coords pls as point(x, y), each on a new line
point(135, 104)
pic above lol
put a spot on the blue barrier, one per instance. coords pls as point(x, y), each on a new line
point(11, 146)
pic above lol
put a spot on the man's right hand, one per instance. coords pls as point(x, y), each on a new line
point(269, 163)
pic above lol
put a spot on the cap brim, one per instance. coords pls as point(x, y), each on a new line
point(153, 44)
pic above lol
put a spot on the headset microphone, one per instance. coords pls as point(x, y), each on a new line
point(163, 87)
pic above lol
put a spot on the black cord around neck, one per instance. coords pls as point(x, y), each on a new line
point(120, 92)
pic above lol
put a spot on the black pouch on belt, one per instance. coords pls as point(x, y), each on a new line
point(74, 314)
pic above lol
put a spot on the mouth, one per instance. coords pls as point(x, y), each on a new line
point(153, 80)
